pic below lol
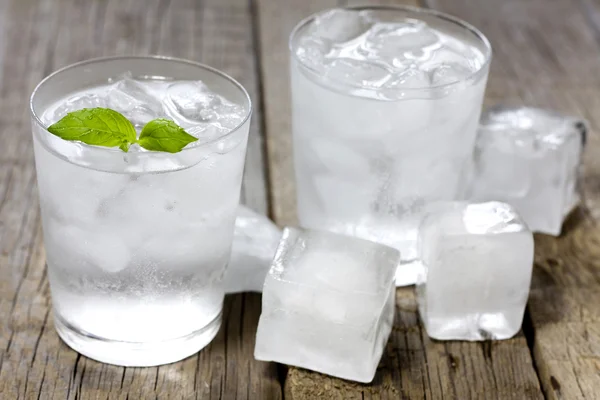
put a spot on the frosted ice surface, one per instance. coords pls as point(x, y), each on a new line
point(362, 48)
point(86, 248)
point(328, 304)
point(255, 240)
point(75, 103)
point(400, 43)
point(529, 158)
point(411, 78)
point(449, 73)
point(192, 103)
point(362, 73)
point(339, 25)
point(135, 100)
point(477, 263)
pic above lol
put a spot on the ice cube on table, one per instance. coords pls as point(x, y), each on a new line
point(477, 264)
point(328, 304)
point(255, 240)
point(529, 158)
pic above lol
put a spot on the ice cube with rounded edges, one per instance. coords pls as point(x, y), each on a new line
point(70, 246)
point(192, 103)
point(328, 304)
point(350, 161)
point(411, 78)
point(340, 25)
point(127, 94)
point(255, 240)
point(400, 43)
point(477, 261)
point(355, 72)
point(312, 50)
point(75, 103)
point(447, 73)
point(529, 158)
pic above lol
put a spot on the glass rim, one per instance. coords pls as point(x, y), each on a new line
point(417, 10)
point(94, 60)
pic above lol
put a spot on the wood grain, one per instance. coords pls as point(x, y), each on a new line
point(546, 55)
point(413, 366)
point(37, 37)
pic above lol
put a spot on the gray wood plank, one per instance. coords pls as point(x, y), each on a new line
point(36, 38)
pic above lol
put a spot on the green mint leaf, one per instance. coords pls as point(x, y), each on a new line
point(164, 135)
point(96, 126)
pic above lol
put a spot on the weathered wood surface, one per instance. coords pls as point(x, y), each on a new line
point(545, 54)
point(37, 37)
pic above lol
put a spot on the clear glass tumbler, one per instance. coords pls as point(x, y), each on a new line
point(385, 104)
point(137, 243)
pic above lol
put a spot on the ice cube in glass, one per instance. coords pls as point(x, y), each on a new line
point(328, 304)
point(477, 264)
point(529, 158)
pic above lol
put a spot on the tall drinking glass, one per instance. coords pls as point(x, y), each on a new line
point(137, 242)
point(386, 103)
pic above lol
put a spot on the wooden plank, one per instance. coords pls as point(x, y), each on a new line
point(412, 366)
point(546, 55)
point(48, 34)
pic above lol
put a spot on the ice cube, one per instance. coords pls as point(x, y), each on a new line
point(357, 72)
point(410, 78)
point(312, 50)
point(70, 246)
point(529, 158)
point(75, 103)
point(328, 304)
point(134, 99)
point(215, 133)
point(192, 103)
point(340, 25)
point(477, 263)
point(325, 154)
point(447, 73)
point(400, 44)
point(255, 240)
point(329, 187)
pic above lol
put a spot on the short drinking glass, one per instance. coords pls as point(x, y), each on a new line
point(137, 242)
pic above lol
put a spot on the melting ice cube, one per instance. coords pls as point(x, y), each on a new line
point(328, 304)
point(477, 263)
point(530, 158)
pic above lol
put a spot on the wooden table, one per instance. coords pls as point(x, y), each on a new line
point(546, 53)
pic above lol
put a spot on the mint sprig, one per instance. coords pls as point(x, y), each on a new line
point(109, 128)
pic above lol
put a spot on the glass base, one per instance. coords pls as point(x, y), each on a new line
point(136, 354)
